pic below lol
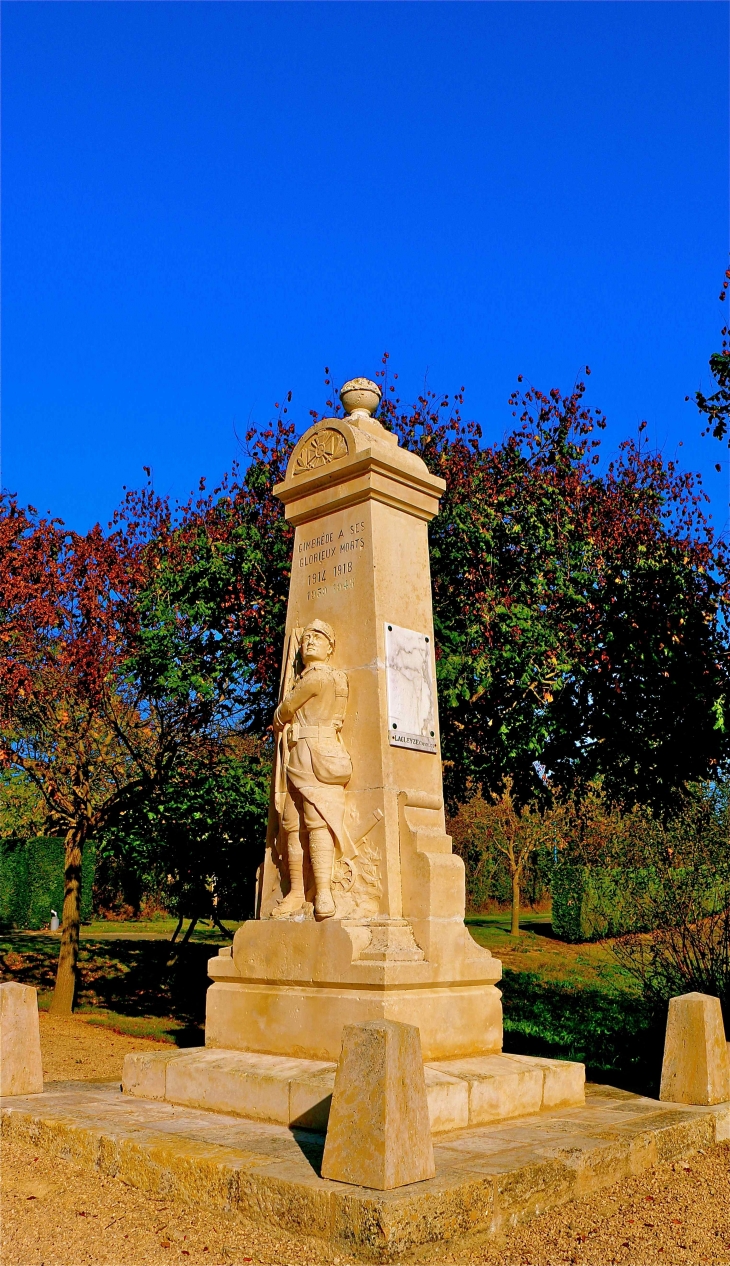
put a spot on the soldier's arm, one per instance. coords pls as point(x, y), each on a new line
point(342, 690)
point(306, 688)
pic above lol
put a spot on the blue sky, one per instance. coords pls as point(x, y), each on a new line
point(205, 203)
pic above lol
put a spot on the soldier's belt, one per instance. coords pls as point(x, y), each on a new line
point(317, 733)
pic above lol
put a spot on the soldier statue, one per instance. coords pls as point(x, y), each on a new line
point(315, 767)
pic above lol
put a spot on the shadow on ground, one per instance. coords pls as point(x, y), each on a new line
point(540, 924)
point(131, 978)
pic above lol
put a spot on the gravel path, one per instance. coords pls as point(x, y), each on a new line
point(56, 1214)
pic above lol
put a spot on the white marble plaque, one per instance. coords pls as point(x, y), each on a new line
point(411, 689)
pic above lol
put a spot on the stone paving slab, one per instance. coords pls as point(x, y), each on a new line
point(487, 1178)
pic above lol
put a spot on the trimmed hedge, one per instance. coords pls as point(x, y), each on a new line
point(593, 902)
point(31, 881)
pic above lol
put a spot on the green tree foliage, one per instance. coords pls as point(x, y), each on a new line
point(32, 880)
point(22, 808)
point(198, 839)
point(579, 611)
point(499, 836)
point(210, 602)
point(580, 620)
point(122, 655)
point(688, 906)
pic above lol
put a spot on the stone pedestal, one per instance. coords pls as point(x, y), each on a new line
point(696, 1066)
point(461, 1093)
point(21, 1067)
point(397, 948)
point(289, 988)
point(379, 1134)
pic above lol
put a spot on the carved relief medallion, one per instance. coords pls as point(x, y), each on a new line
point(323, 448)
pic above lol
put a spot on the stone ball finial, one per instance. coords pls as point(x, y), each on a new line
point(360, 395)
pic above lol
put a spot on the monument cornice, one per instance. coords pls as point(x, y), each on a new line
point(373, 469)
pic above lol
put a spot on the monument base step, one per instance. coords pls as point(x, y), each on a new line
point(297, 1092)
point(487, 1179)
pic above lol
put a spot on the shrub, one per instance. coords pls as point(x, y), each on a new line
point(592, 902)
point(32, 880)
point(615, 1032)
point(13, 881)
point(690, 948)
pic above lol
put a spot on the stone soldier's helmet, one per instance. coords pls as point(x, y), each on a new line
point(321, 626)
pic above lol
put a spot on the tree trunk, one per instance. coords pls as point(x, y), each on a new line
point(515, 928)
point(175, 954)
point(65, 991)
point(190, 931)
point(223, 929)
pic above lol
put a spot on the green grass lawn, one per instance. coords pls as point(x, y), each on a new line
point(205, 932)
point(573, 1002)
point(138, 984)
point(565, 1001)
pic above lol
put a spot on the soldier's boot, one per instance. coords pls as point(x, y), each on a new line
point(322, 856)
point(294, 900)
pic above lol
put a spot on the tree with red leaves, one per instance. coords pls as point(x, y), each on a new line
point(580, 619)
point(64, 723)
point(123, 654)
point(715, 408)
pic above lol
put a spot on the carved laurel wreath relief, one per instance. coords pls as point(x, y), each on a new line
point(323, 448)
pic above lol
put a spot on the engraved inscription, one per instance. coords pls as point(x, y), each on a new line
point(322, 449)
point(314, 542)
point(316, 550)
point(353, 538)
point(340, 576)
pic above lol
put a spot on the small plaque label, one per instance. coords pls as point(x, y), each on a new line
point(411, 689)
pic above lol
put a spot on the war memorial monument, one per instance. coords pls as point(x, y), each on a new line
point(360, 898)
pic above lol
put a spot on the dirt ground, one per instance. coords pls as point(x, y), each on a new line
point(58, 1215)
point(76, 1051)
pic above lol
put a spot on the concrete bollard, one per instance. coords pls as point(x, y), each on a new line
point(379, 1133)
point(696, 1066)
point(21, 1067)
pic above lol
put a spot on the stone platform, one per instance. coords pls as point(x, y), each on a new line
point(297, 1092)
point(487, 1178)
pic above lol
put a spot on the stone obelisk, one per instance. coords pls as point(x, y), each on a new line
point(360, 899)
